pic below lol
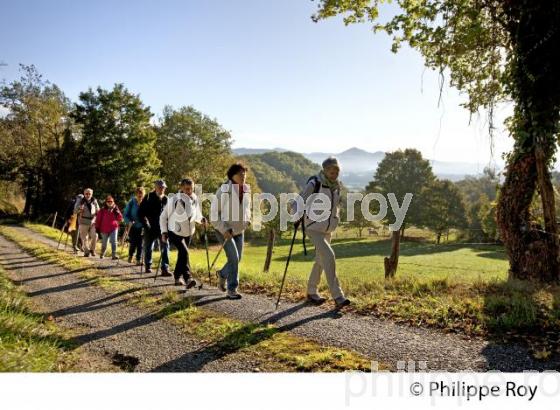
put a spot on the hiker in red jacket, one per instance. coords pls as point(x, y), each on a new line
point(107, 223)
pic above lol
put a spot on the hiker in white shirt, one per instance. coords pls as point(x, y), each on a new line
point(178, 224)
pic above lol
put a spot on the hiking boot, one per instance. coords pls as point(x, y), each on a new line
point(130, 259)
point(221, 282)
point(86, 254)
point(233, 295)
point(148, 269)
point(114, 257)
point(139, 263)
point(100, 256)
point(165, 273)
point(190, 283)
point(316, 299)
point(341, 302)
point(92, 253)
point(180, 282)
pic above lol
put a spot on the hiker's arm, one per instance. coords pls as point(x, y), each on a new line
point(163, 218)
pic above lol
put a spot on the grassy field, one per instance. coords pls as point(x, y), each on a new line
point(454, 286)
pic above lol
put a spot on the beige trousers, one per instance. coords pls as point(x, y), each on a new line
point(324, 261)
point(85, 232)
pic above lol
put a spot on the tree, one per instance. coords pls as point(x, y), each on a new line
point(190, 143)
point(116, 142)
point(487, 217)
point(479, 192)
point(494, 50)
point(32, 134)
point(402, 172)
point(444, 208)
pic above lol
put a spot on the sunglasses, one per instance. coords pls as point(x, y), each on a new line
point(109, 202)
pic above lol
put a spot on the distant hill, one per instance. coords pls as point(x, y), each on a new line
point(358, 165)
point(278, 172)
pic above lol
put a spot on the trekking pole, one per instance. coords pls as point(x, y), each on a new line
point(61, 233)
point(207, 256)
point(217, 255)
point(296, 226)
point(66, 242)
point(158, 265)
point(303, 233)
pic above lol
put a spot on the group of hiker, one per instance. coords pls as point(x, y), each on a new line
point(156, 218)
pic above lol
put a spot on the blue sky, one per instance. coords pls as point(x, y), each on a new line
point(262, 68)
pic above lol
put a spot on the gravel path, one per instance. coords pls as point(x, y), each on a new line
point(106, 325)
point(392, 344)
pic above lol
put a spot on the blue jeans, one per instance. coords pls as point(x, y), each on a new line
point(149, 240)
point(233, 249)
point(112, 237)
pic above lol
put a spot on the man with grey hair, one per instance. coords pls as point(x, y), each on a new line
point(320, 228)
point(87, 208)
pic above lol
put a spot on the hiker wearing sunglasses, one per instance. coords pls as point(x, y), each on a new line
point(107, 224)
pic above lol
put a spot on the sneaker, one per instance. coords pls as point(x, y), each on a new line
point(190, 283)
point(92, 253)
point(221, 282)
point(180, 282)
point(114, 257)
point(148, 270)
point(165, 273)
point(341, 302)
point(100, 256)
point(316, 299)
point(232, 294)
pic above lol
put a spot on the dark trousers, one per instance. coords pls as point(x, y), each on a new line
point(183, 266)
point(135, 243)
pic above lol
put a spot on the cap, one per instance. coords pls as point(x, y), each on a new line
point(161, 183)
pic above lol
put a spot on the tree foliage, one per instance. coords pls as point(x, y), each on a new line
point(190, 143)
point(116, 142)
point(401, 172)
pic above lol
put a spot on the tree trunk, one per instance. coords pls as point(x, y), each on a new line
point(28, 195)
point(392, 262)
point(438, 238)
point(533, 253)
point(269, 248)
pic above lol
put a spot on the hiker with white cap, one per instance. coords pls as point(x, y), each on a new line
point(149, 212)
point(320, 229)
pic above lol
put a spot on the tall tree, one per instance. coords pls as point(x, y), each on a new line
point(116, 142)
point(443, 208)
point(402, 172)
point(189, 143)
point(494, 50)
point(32, 133)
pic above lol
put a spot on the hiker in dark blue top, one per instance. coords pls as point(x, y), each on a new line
point(134, 225)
